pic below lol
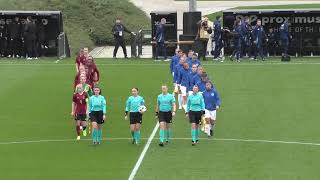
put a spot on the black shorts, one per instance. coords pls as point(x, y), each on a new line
point(165, 117)
point(80, 117)
point(195, 116)
point(135, 117)
point(97, 116)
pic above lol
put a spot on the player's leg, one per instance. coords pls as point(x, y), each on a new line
point(132, 132)
point(208, 122)
point(99, 135)
point(78, 130)
point(84, 125)
point(137, 132)
point(163, 126)
point(193, 127)
point(184, 97)
point(94, 132)
point(213, 117)
point(197, 121)
point(168, 122)
point(179, 97)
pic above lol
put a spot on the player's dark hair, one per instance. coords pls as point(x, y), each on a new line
point(97, 87)
point(135, 88)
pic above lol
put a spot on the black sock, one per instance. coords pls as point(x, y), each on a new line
point(84, 128)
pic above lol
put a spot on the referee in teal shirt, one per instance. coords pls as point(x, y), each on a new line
point(195, 109)
point(97, 111)
point(165, 110)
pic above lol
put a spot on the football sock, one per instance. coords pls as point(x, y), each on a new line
point(197, 133)
point(99, 135)
point(137, 136)
point(94, 135)
point(168, 135)
point(193, 135)
point(133, 134)
point(78, 130)
point(161, 133)
point(84, 128)
point(208, 127)
point(180, 100)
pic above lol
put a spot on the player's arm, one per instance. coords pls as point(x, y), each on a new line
point(157, 107)
point(174, 107)
point(127, 108)
point(217, 100)
point(202, 104)
point(188, 105)
point(104, 107)
point(87, 101)
point(72, 109)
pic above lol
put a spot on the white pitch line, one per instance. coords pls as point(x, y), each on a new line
point(143, 153)
point(208, 139)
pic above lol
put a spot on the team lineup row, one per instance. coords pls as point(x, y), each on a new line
point(196, 95)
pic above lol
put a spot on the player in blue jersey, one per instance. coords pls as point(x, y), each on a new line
point(177, 69)
point(212, 103)
point(197, 78)
point(184, 81)
point(165, 110)
point(132, 108)
point(175, 60)
point(194, 60)
point(194, 72)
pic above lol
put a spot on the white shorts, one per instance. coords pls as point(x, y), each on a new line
point(176, 88)
point(183, 90)
point(210, 114)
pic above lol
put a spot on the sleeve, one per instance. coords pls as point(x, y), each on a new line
point(209, 30)
point(128, 104)
point(179, 77)
point(171, 64)
point(104, 105)
point(125, 29)
point(90, 104)
point(142, 102)
point(217, 98)
point(173, 99)
point(113, 30)
point(158, 101)
point(202, 103)
point(188, 104)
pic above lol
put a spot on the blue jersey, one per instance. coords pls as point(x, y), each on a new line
point(284, 31)
point(160, 33)
point(191, 76)
point(195, 79)
point(258, 34)
point(217, 29)
point(202, 86)
point(174, 61)
point(195, 102)
point(133, 103)
point(211, 99)
point(97, 103)
point(165, 102)
point(192, 62)
point(184, 76)
point(176, 72)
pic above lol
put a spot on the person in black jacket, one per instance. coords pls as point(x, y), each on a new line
point(3, 40)
point(30, 34)
point(118, 33)
point(15, 35)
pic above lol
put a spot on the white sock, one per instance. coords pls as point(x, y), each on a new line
point(209, 128)
point(180, 100)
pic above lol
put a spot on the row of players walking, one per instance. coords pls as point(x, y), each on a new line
point(22, 40)
point(195, 92)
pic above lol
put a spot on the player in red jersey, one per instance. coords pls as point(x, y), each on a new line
point(80, 110)
point(80, 60)
point(82, 70)
point(93, 71)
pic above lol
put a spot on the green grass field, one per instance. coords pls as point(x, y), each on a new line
point(273, 101)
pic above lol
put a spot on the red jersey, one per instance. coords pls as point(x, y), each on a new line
point(76, 80)
point(81, 59)
point(80, 103)
point(93, 70)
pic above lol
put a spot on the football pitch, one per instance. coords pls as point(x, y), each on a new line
point(267, 127)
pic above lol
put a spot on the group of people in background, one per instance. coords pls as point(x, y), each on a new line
point(196, 93)
point(246, 40)
point(254, 41)
point(22, 40)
